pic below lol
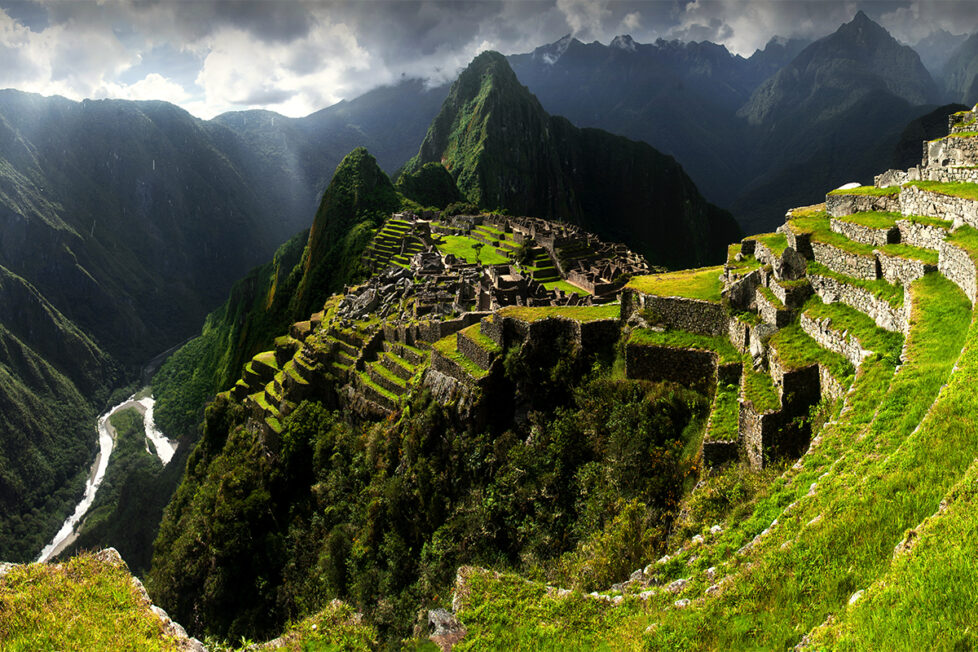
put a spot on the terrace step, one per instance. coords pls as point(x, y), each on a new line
point(771, 309)
point(340, 345)
point(879, 300)
point(374, 392)
point(397, 365)
point(846, 331)
point(955, 202)
point(872, 229)
point(383, 377)
point(412, 355)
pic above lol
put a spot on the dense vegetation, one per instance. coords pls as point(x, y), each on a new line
point(381, 515)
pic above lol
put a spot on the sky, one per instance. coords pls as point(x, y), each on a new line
point(298, 56)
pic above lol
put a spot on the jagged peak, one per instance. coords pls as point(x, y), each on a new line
point(623, 42)
point(552, 52)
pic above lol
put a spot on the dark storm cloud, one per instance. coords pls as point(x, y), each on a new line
point(297, 55)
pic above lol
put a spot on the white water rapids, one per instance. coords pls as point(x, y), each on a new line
point(106, 440)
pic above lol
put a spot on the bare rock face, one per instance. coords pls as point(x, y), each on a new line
point(446, 629)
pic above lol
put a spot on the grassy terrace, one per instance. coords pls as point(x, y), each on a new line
point(889, 292)
point(725, 414)
point(683, 340)
point(908, 252)
point(474, 333)
point(873, 219)
point(465, 248)
point(963, 190)
point(703, 283)
point(577, 313)
point(388, 374)
point(929, 221)
point(81, 604)
point(961, 134)
point(876, 474)
point(566, 287)
point(818, 224)
point(966, 238)
point(872, 191)
point(796, 350)
point(844, 318)
point(770, 297)
point(759, 389)
point(448, 346)
point(776, 242)
point(366, 380)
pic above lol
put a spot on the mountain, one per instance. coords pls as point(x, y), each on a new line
point(831, 116)
point(835, 73)
point(778, 53)
point(936, 48)
point(504, 150)
point(960, 74)
point(677, 97)
point(122, 224)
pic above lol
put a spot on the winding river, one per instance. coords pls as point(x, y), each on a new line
point(163, 448)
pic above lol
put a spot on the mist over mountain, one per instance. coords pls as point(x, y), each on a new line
point(936, 48)
point(960, 74)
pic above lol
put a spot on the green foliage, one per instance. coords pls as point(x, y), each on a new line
point(430, 185)
point(685, 340)
point(776, 242)
point(470, 250)
point(81, 604)
point(873, 219)
point(759, 389)
point(964, 190)
point(889, 292)
point(459, 207)
point(381, 515)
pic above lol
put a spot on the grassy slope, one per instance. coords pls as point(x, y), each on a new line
point(840, 511)
point(703, 283)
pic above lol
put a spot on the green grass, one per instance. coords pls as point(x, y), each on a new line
point(889, 292)
point(796, 349)
point(963, 190)
point(770, 297)
point(966, 238)
point(577, 313)
point(366, 380)
point(81, 604)
point(684, 340)
point(930, 221)
point(759, 389)
point(703, 283)
point(465, 248)
point(873, 219)
point(872, 191)
point(809, 220)
point(388, 374)
point(845, 318)
point(776, 242)
point(448, 347)
point(908, 252)
point(566, 287)
point(725, 414)
point(961, 134)
point(474, 333)
point(875, 474)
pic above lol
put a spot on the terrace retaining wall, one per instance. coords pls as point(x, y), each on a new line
point(842, 342)
point(956, 265)
point(865, 234)
point(691, 315)
point(841, 205)
point(921, 235)
point(880, 311)
point(843, 262)
point(917, 201)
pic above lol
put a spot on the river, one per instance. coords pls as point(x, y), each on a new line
point(163, 447)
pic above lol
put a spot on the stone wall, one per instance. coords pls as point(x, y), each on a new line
point(830, 387)
point(596, 335)
point(955, 264)
point(768, 436)
point(799, 388)
point(691, 367)
point(880, 311)
point(738, 332)
point(921, 235)
point(890, 178)
point(777, 316)
point(916, 201)
point(943, 175)
point(471, 350)
point(843, 262)
point(691, 315)
point(902, 270)
point(800, 242)
point(865, 234)
point(840, 205)
point(842, 342)
point(740, 291)
point(952, 151)
point(792, 296)
point(447, 366)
